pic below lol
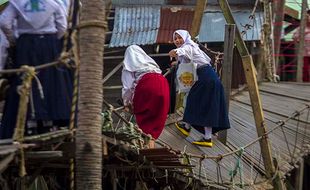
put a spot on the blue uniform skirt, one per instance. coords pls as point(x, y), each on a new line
point(205, 105)
point(36, 49)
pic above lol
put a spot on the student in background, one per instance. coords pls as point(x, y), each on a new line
point(145, 91)
point(40, 25)
point(4, 43)
point(205, 108)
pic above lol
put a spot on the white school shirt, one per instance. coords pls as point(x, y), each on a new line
point(4, 44)
point(46, 17)
point(187, 52)
point(65, 4)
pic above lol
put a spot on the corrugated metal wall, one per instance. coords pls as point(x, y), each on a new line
point(135, 25)
point(213, 26)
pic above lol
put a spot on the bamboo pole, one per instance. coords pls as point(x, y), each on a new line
point(199, 9)
point(268, 42)
point(300, 175)
point(251, 80)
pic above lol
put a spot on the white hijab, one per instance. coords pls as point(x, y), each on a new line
point(188, 41)
point(136, 60)
point(186, 38)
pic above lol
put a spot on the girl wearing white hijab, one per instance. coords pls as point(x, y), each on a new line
point(145, 90)
point(39, 25)
point(205, 108)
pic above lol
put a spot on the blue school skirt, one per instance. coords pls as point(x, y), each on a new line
point(37, 49)
point(205, 105)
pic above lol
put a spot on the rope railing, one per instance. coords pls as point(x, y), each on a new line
point(214, 157)
point(218, 158)
point(63, 59)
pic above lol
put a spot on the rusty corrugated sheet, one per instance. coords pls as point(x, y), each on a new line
point(138, 2)
point(172, 19)
point(135, 25)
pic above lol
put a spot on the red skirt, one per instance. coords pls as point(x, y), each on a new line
point(151, 103)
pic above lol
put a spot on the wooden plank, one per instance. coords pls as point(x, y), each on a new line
point(43, 154)
point(4, 163)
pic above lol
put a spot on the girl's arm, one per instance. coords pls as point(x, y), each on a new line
point(182, 52)
point(127, 90)
point(6, 22)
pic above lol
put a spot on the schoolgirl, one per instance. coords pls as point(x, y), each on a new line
point(145, 90)
point(39, 26)
point(205, 108)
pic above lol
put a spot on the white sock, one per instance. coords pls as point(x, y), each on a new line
point(187, 126)
point(208, 133)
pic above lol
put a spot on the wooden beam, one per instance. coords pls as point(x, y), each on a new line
point(301, 43)
point(43, 154)
point(227, 69)
point(199, 9)
point(278, 23)
point(112, 87)
point(251, 80)
point(4, 163)
point(114, 70)
point(230, 20)
point(260, 122)
point(299, 180)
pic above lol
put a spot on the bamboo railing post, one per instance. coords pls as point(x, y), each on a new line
point(199, 9)
point(268, 42)
point(251, 80)
point(23, 91)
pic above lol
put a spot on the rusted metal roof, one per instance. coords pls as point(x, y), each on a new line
point(172, 19)
point(233, 2)
point(135, 25)
point(138, 2)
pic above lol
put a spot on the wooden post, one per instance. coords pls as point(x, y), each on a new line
point(299, 180)
point(251, 80)
point(227, 69)
point(301, 43)
point(199, 9)
point(278, 23)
